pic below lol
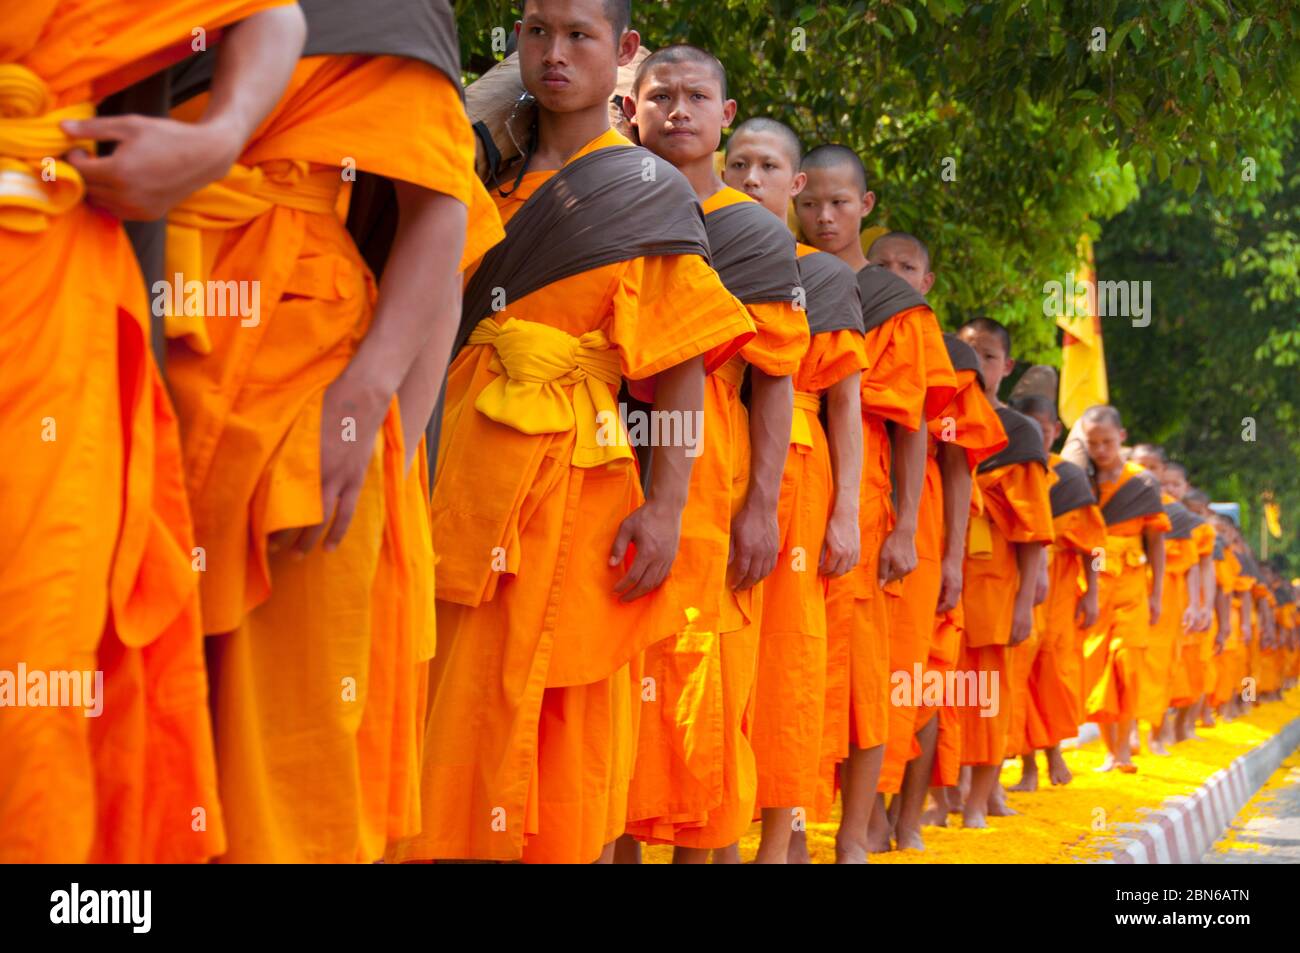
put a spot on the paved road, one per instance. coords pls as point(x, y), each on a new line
point(1277, 828)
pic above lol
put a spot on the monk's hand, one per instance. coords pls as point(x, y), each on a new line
point(654, 529)
point(842, 547)
point(351, 414)
point(950, 583)
point(1022, 623)
point(1190, 619)
point(897, 554)
point(1087, 611)
point(755, 540)
point(1153, 603)
point(156, 163)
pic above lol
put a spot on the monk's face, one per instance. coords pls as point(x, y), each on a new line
point(679, 112)
point(759, 165)
point(995, 363)
point(1104, 441)
point(831, 207)
point(1051, 428)
point(1174, 482)
point(568, 54)
point(1151, 463)
point(905, 260)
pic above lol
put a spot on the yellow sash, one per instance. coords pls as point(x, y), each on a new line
point(1123, 552)
point(535, 363)
point(979, 537)
point(733, 372)
point(195, 227)
point(34, 183)
point(806, 407)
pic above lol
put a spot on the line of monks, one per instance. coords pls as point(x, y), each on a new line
point(869, 577)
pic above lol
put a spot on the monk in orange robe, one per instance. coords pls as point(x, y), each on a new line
point(1130, 595)
point(1213, 599)
point(1230, 626)
point(302, 431)
point(1053, 700)
point(1188, 680)
point(912, 617)
point(554, 582)
point(695, 781)
point(897, 394)
point(818, 509)
point(97, 568)
point(1004, 555)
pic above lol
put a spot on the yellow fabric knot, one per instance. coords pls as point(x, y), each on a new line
point(1123, 552)
point(34, 183)
point(196, 226)
point(807, 405)
point(536, 362)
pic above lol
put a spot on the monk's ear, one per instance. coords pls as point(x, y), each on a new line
point(927, 282)
point(799, 184)
point(629, 109)
point(628, 44)
point(1008, 366)
point(868, 203)
point(1123, 436)
point(728, 113)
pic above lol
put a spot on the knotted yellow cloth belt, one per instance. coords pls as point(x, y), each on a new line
point(535, 363)
point(1123, 552)
point(807, 405)
point(195, 227)
point(35, 184)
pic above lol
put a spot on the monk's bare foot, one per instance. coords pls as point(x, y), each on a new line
point(850, 852)
point(1126, 767)
point(798, 852)
point(1057, 769)
point(935, 817)
point(909, 840)
point(1157, 747)
point(879, 832)
point(1135, 740)
point(1028, 775)
point(998, 806)
point(1107, 763)
point(973, 817)
point(1207, 720)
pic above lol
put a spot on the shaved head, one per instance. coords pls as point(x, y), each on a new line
point(676, 55)
point(619, 13)
point(1177, 468)
point(1196, 497)
point(760, 125)
point(1149, 450)
point(985, 325)
point(1103, 414)
point(835, 157)
point(1035, 405)
point(905, 238)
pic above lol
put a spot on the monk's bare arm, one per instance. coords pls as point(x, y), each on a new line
point(157, 161)
point(418, 394)
point(1223, 608)
point(1029, 561)
point(357, 402)
point(755, 537)
point(954, 470)
point(655, 527)
point(842, 548)
point(1192, 615)
point(898, 553)
point(1209, 592)
point(1088, 606)
point(1155, 546)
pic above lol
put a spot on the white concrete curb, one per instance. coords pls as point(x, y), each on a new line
point(1183, 829)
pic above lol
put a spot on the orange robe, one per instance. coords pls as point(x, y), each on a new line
point(896, 388)
point(1193, 649)
point(319, 664)
point(1017, 509)
point(971, 422)
point(1225, 678)
point(790, 690)
point(539, 766)
point(1113, 647)
point(696, 780)
point(97, 572)
point(1048, 666)
point(1164, 648)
